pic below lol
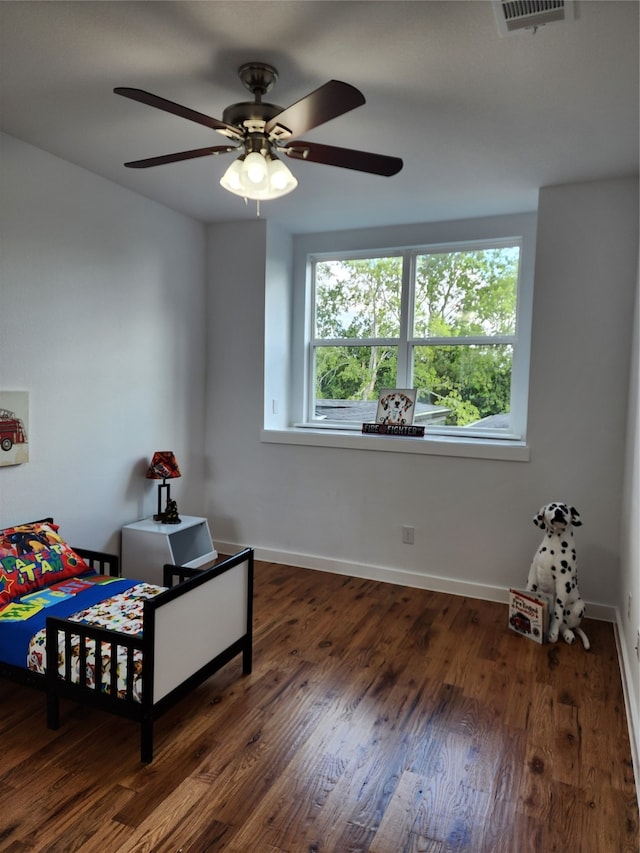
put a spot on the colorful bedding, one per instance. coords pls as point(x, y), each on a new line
point(113, 603)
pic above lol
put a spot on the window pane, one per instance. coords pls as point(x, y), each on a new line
point(466, 293)
point(346, 378)
point(472, 383)
point(358, 298)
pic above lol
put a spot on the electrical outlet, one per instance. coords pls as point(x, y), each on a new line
point(407, 535)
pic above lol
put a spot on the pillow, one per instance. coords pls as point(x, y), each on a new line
point(17, 540)
point(34, 556)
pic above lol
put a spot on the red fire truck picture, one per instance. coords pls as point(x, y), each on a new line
point(11, 430)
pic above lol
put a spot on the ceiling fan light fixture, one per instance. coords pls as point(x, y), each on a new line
point(260, 129)
point(276, 180)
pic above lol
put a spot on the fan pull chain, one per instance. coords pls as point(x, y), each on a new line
point(246, 201)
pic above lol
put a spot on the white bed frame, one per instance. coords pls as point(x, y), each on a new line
point(190, 631)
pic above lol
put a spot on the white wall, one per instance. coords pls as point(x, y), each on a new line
point(235, 323)
point(629, 612)
point(278, 312)
point(343, 509)
point(586, 270)
point(102, 321)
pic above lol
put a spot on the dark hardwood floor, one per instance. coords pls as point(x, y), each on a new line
point(377, 719)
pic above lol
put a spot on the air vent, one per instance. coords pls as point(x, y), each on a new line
point(513, 16)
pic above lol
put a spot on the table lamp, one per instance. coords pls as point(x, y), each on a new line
point(164, 467)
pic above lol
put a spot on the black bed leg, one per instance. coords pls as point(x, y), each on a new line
point(247, 659)
point(53, 710)
point(146, 741)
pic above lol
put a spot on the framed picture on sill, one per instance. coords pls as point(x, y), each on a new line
point(396, 406)
point(14, 427)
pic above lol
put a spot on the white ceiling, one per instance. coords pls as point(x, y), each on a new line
point(480, 121)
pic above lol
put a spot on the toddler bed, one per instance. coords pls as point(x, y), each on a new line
point(72, 627)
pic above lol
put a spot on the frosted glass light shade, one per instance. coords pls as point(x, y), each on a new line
point(255, 168)
point(231, 179)
point(258, 177)
point(280, 178)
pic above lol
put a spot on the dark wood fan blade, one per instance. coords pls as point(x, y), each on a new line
point(346, 158)
point(179, 110)
point(181, 155)
point(329, 101)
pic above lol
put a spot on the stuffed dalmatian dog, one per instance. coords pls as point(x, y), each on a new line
point(554, 570)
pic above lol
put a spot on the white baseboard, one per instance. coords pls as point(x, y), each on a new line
point(633, 721)
point(402, 577)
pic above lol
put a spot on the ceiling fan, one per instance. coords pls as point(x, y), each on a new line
point(260, 132)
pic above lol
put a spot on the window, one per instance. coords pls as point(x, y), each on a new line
point(351, 312)
point(442, 319)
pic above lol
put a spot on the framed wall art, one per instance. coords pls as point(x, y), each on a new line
point(396, 406)
point(14, 427)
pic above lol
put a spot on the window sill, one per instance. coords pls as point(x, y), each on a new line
point(510, 451)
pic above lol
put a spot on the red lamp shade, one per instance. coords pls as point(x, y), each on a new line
point(164, 467)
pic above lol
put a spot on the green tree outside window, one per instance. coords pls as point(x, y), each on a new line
point(453, 331)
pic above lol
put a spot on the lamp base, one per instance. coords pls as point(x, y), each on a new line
point(164, 519)
point(170, 515)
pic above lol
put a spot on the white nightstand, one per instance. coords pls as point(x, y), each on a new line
point(147, 545)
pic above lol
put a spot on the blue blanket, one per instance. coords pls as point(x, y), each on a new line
point(25, 616)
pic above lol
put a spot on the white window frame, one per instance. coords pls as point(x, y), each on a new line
point(297, 428)
point(406, 341)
